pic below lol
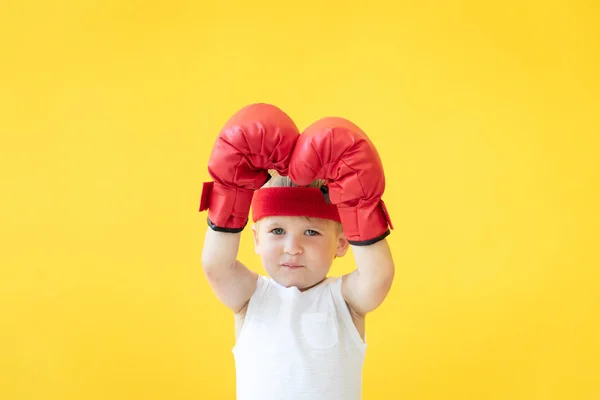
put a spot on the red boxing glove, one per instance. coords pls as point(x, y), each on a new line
point(336, 150)
point(257, 138)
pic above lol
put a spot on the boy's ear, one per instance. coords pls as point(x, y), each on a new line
point(342, 245)
point(255, 236)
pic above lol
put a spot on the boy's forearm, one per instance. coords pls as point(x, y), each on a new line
point(375, 263)
point(230, 280)
point(220, 249)
point(367, 287)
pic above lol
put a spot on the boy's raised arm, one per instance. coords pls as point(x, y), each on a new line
point(230, 280)
point(257, 138)
point(365, 288)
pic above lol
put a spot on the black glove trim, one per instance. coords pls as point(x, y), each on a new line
point(221, 229)
point(370, 241)
point(325, 190)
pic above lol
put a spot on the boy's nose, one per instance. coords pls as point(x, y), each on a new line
point(292, 246)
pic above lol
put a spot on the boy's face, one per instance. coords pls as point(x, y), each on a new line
point(298, 251)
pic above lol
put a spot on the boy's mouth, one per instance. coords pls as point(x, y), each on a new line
point(291, 266)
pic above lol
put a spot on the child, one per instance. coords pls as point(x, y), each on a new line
point(299, 333)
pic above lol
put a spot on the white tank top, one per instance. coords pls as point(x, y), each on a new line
point(298, 345)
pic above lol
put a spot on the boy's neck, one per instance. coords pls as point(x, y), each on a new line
point(316, 284)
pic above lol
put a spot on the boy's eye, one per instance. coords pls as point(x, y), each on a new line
point(310, 232)
point(277, 231)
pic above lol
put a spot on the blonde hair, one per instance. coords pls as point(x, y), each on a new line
point(285, 181)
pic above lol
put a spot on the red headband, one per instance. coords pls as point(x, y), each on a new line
point(292, 201)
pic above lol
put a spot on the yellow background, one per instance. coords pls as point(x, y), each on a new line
point(486, 118)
